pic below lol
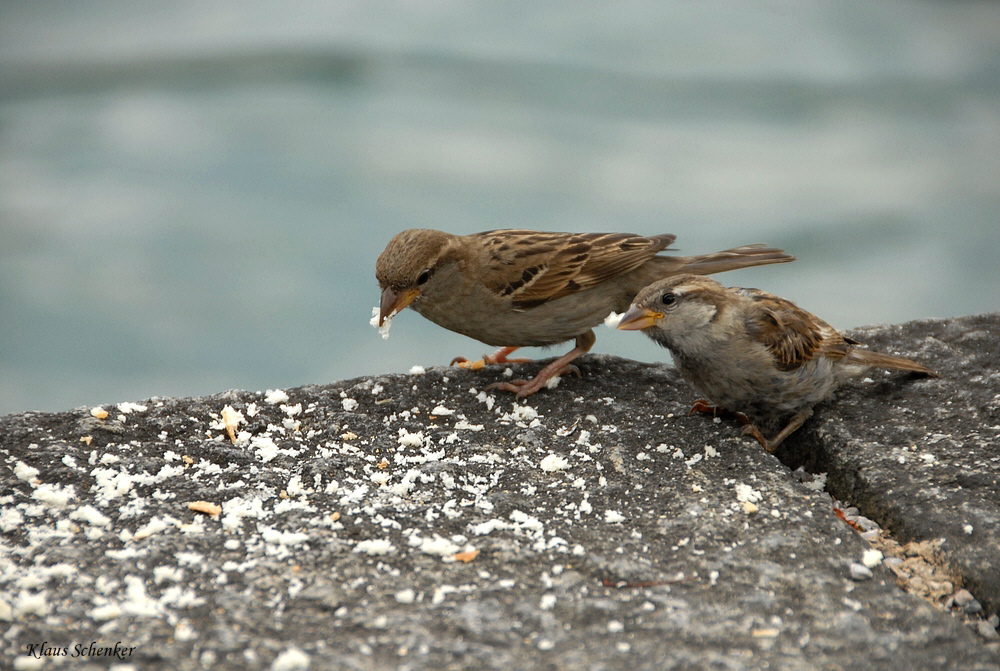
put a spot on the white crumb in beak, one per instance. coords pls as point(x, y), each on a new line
point(612, 320)
point(384, 328)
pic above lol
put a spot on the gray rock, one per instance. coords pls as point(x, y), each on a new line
point(598, 526)
point(921, 457)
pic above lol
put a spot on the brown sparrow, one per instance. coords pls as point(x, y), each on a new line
point(516, 288)
point(750, 351)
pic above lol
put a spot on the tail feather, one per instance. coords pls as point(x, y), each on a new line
point(731, 259)
point(868, 358)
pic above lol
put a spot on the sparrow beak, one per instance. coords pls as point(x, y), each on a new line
point(392, 302)
point(637, 319)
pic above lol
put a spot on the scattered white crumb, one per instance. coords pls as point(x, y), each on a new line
point(612, 320)
point(383, 330)
point(406, 596)
point(553, 382)
point(99, 412)
point(483, 397)
point(523, 413)
point(31, 604)
point(438, 546)
point(126, 407)
point(378, 546)
point(163, 574)
point(292, 659)
point(107, 612)
point(54, 496)
point(547, 601)
point(613, 517)
point(408, 439)
point(10, 519)
point(817, 484)
point(442, 411)
point(90, 515)
point(417, 370)
point(871, 558)
point(265, 448)
point(747, 494)
point(350, 405)
point(468, 426)
point(553, 462)
point(615, 626)
point(29, 663)
point(967, 528)
point(25, 472)
point(275, 396)
point(154, 526)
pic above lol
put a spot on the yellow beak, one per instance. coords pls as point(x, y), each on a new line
point(637, 319)
point(392, 302)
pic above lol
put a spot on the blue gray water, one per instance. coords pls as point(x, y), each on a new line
point(193, 194)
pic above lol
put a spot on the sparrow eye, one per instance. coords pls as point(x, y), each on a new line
point(668, 299)
point(423, 277)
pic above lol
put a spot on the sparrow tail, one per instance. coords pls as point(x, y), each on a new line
point(878, 360)
point(730, 259)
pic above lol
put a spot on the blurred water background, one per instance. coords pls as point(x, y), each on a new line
point(193, 194)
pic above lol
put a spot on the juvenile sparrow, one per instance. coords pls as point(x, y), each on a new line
point(516, 288)
point(750, 351)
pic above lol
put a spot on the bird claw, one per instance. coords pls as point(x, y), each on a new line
point(525, 388)
point(703, 406)
point(749, 428)
point(462, 362)
point(498, 357)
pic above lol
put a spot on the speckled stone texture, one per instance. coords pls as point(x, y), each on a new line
point(411, 521)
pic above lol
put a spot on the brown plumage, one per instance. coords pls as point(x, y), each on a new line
point(517, 288)
point(751, 352)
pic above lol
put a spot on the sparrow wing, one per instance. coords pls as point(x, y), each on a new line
point(792, 335)
point(533, 267)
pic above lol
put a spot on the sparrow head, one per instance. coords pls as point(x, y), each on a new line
point(406, 266)
point(673, 308)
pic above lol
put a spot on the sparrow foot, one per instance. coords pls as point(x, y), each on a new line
point(500, 356)
point(524, 388)
point(751, 430)
point(704, 407)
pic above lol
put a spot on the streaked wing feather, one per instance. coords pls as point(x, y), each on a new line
point(792, 335)
point(533, 267)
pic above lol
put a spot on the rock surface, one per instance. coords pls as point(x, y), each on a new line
point(412, 521)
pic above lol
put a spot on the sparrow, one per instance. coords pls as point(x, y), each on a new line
point(517, 288)
point(751, 353)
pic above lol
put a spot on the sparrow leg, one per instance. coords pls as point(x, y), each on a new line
point(560, 366)
point(500, 356)
point(703, 406)
point(793, 424)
